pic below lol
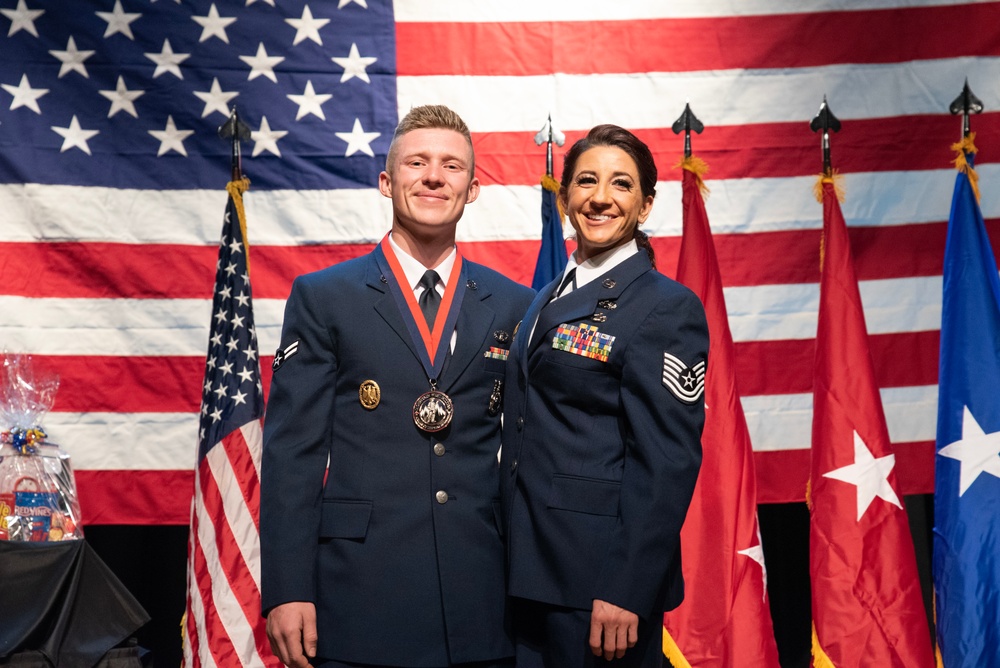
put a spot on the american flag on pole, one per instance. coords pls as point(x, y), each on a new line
point(110, 173)
point(222, 623)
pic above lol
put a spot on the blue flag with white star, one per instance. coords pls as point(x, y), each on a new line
point(966, 559)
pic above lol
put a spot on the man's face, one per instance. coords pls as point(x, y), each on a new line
point(430, 180)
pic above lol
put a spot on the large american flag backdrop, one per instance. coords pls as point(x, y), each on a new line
point(112, 183)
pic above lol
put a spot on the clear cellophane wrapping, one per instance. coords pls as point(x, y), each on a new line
point(38, 500)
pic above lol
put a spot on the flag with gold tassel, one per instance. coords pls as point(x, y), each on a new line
point(966, 560)
point(725, 618)
point(866, 600)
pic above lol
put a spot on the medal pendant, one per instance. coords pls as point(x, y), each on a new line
point(432, 411)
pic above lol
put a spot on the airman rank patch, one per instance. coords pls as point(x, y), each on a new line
point(281, 355)
point(495, 353)
point(583, 340)
point(686, 383)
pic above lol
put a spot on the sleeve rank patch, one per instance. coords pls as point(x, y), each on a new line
point(686, 383)
point(283, 354)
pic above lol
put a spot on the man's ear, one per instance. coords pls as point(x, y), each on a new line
point(473, 191)
point(385, 184)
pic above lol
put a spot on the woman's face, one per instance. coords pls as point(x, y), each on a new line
point(603, 201)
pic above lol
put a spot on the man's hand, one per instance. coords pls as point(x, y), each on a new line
point(618, 626)
point(291, 628)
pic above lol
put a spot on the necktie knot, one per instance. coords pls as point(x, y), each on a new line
point(430, 300)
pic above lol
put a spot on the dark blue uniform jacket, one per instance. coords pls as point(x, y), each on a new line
point(600, 456)
point(400, 546)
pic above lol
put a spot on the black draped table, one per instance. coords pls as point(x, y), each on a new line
point(60, 605)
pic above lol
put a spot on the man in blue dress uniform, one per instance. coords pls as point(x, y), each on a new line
point(380, 541)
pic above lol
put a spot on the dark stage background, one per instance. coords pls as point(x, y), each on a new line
point(151, 561)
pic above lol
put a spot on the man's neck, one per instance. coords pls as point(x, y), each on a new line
point(429, 250)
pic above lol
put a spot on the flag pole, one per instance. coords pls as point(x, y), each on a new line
point(966, 104)
point(236, 130)
point(825, 121)
point(686, 123)
point(547, 135)
point(552, 252)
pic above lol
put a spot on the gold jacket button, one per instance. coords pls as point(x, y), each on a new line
point(439, 449)
point(441, 496)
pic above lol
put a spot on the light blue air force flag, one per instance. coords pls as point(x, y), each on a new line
point(552, 253)
point(967, 467)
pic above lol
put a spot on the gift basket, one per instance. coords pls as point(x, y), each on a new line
point(38, 499)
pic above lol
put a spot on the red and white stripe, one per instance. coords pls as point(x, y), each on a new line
point(112, 288)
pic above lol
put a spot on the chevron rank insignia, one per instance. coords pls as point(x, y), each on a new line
point(686, 383)
point(583, 340)
point(283, 354)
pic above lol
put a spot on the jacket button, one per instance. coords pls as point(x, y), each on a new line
point(520, 423)
point(439, 449)
point(441, 496)
point(513, 466)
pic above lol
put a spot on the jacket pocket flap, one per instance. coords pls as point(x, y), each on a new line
point(585, 495)
point(345, 519)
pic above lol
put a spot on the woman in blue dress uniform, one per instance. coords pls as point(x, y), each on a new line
point(603, 413)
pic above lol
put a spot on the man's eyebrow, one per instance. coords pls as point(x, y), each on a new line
point(426, 154)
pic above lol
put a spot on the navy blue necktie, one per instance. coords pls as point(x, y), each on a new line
point(570, 279)
point(430, 300)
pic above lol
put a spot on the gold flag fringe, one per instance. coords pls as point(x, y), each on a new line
point(938, 659)
point(550, 184)
point(699, 168)
point(820, 659)
point(673, 652)
point(834, 177)
point(967, 145)
point(236, 190)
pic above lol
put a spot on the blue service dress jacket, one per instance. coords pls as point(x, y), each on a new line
point(399, 544)
point(603, 414)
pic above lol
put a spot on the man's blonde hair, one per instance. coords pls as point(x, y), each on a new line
point(430, 117)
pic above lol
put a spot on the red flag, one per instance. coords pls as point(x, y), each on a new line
point(724, 619)
point(866, 600)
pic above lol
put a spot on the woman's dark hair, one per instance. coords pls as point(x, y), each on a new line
point(618, 137)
